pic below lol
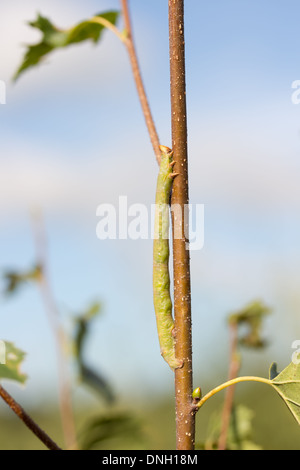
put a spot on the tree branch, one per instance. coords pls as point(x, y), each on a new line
point(139, 82)
point(65, 399)
point(27, 420)
point(185, 419)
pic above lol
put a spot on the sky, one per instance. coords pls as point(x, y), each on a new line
point(73, 137)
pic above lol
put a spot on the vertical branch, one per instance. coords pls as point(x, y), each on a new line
point(185, 419)
point(138, 81)
point(65, 399)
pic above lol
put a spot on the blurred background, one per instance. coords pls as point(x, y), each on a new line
point(73, 137)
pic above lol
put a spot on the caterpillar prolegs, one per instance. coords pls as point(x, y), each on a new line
point(161, 277)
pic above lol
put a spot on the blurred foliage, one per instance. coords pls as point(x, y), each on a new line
point(240, 432)
point(252, 317)
point(13, 360)
point(87, 375)
point(54, 37)
point(15, 279)
point(272, 427)
point(109, 427)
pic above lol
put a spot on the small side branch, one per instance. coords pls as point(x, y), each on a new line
point(27, 420)
point(65, 395)
point(129, 43)
point(107, 24)
point(230, 383)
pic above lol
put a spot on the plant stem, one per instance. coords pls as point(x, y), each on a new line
point(139, 82)
point(185, 419)
point(234, 368)
point(65, 398)
point(27, 420)
point(107, 24)
point(230, 383)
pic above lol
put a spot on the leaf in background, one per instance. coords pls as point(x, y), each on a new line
point(287, 385)
point(273, 372)
point(252, 316)
point(87, 375)
point(82, 323)
point(97, 383)
point(13, 360)
point(15, 279)
point(54, 38)
point(119, 425)
point(239, 433)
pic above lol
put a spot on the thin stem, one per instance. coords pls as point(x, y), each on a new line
point(107, 24)
point(27, 420)
point(65, 398)
point(229, 384)
point(234, 368)
point(185, 419)
point(139, 82)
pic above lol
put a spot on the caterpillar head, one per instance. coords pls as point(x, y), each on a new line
point(166, 156)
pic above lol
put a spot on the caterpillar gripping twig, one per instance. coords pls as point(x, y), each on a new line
point(161, 278)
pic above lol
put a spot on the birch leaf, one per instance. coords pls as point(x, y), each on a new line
point(53, 38)
point(287, 385)
point(252, 317)
point(87, 375)
point(10, 363)
point(14, 280)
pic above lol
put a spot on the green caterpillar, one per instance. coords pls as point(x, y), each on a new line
point(161, 278)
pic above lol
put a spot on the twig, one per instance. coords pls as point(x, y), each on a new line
point(185, 420)
point(229, 397)
point(65, 399)
point(230, 383)
point(139, 82)
point(107, 24)
point(27, 420)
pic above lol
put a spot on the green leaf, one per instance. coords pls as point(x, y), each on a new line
point(54, 37)
point(15, 279)
point(82, 323)
point(11, 362)
point(240, 430)
point(252, 316)
point(273, 372)
point(98, 383)
point(87, 375)
point(107, 427)
point(287, 385)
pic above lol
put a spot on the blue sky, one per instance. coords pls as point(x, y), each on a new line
point(69, 130)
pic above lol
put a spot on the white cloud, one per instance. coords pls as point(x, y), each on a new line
point(224, 178)
point(30, 176)
point(229, 168)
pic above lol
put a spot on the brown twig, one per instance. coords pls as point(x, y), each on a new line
point(27, 420)
point(65, 398)
point(139, 82)
point(234, 368)
point(185, 418)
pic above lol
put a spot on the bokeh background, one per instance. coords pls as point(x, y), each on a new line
point(73, 136)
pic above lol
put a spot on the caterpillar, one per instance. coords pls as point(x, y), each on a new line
point(161, 277)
